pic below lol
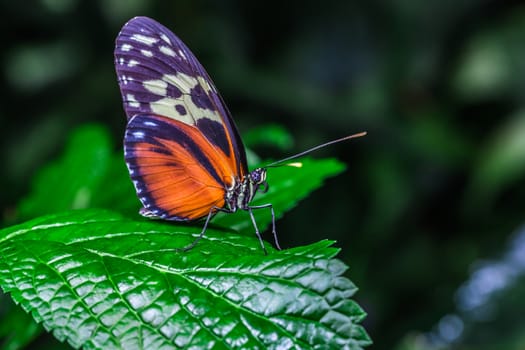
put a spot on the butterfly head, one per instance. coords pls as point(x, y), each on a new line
point(257, 178)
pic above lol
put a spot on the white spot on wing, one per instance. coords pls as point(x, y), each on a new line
point(146, 53)
point(166, 107)
point(148, 123)
point(165, 38)
point(126, 47)
point(125, 79)
point(132, 63)
point(121, 61)
point(204, 83)
point(157, 87)
point(181, 54)
point(144, 39)
point(132, 101)
point(167, 51)
point(138, 134)
point(184, 82)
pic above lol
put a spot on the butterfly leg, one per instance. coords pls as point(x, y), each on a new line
point(274, 231)
point(257, 229)
point(204, 228)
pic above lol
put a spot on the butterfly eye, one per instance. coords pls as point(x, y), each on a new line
point(258, 176)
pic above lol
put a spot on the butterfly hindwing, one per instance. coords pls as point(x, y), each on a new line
point(176, 174)
point(158, 75)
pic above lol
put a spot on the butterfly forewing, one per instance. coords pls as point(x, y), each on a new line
point(182, 147)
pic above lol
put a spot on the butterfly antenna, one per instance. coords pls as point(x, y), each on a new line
point(279, 162)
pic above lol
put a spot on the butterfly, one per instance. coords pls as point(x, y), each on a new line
point(184, 154)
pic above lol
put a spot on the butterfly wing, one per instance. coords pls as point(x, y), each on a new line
point(180, 136)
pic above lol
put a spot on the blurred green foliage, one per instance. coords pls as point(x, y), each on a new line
point(88, 175)
point(437, 184)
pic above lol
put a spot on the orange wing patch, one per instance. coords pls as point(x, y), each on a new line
point(177, 173)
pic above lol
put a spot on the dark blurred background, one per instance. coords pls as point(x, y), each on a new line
point(429, 214)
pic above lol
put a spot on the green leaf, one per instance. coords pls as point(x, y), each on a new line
point(100, 280)
point(287, 186)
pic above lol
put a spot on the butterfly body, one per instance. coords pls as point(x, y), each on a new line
point(241, 193)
